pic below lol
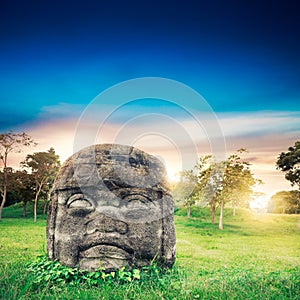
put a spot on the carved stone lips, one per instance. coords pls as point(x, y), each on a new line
point(105, 251)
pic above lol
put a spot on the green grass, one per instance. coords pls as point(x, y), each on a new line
point(256, 256)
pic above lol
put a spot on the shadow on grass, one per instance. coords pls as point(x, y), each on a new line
point(203, 227)
point(15, 211)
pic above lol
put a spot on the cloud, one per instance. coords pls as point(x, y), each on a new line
point(178, 142)
point(61, 110)
point(260, 123)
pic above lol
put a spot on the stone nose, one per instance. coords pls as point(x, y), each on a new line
point(103, 223)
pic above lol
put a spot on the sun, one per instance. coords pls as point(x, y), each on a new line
point(259, 202)
point(172, 174)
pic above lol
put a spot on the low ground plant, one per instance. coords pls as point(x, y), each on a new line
point(48, 273)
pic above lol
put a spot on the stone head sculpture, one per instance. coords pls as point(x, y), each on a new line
point(111, 207)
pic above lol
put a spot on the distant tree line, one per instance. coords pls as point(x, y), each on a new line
point(285, 202)
point(210, 183)
point(230, 182)
point(33, 180)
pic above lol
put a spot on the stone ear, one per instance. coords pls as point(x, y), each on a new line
point(168, 241)
point(51, 220)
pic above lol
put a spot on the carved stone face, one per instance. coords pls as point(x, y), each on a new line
point(111, 207)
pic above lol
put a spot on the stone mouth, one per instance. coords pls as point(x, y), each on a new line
point(105, 251)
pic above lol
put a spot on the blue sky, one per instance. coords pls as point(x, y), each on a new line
point(239, 56)
point(242, 57)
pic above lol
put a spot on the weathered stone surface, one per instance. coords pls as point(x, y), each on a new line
point(111, 207)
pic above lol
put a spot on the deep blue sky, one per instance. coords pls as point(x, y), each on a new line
point(240, 55)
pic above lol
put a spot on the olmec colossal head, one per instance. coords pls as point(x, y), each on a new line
point(111, 207)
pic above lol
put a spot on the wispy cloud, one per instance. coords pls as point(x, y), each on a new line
point(263, 134)
point(61, 110)
point(259, 123)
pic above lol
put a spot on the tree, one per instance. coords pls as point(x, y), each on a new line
point(237, 183)
point(289, 163)
point(24, 187)
point(210, 174)
point(185, 190)
point(285, 202)
point(44, 167)
point(10, 142)
point(20, 188)
point(223, 182)
point(10, 194)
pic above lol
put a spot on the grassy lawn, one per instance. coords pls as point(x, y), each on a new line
point(256, 256)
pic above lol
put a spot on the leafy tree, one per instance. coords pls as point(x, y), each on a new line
point(285, 202)
point(24, 188)
point(289, 163)
point(20, 187)
point(10, 194)
point(237, 183)
point(10, 142)
point(210, 174)
point(224, 182)
point(44, 167)
point(185, 191)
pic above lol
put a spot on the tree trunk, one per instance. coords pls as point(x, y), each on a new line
point(188, 210)
point(35, 207)
point(36, 201)
point(298, 200)
point(45, 207)
point(4, 188)
point(24, 209)
point(213, 213)
point(234, 210)
point(3, 201)
point(221, 215)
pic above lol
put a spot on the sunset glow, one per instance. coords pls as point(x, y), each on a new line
point(259, 203)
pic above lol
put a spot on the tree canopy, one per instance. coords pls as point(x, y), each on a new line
point(229, 181)
point(10, 142)
point(289, 163)
point(43, 167)
point(185, 191)
point(285, 202)
point(216, 183)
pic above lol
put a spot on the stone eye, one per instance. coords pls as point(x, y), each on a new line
point(78, 201)
point(80, 204)
point(133, 162)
